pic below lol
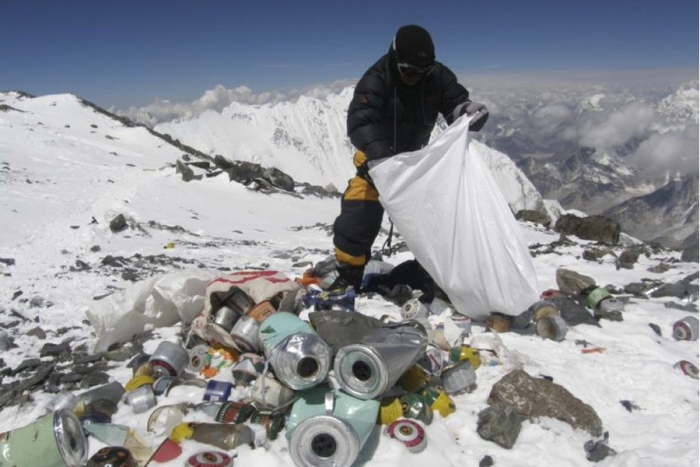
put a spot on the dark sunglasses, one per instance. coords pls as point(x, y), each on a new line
point(411, 71)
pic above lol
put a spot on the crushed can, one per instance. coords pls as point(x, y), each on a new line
point(464, 352)
point(459, 378)
point(54, 440)
point(686, 329)
point(248, 367)
point(368, 369)
point(299, 357)
point(439, 401)
point(141, 399)
point(329, 427)
point(169, 359)
point(269, 394)
point(410, 433)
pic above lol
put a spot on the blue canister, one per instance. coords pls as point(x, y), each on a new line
point(329, 427)
point(218, 391)
point(300, 358)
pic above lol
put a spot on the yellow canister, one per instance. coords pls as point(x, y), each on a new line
point(414, 379)
point(181, 432)
point(465, 352)
point(439, 401)
point(389, 410)
point(138, 381)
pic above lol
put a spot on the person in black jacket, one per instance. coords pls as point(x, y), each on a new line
point(394, 109)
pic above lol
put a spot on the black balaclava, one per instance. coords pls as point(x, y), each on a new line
point(413, 45)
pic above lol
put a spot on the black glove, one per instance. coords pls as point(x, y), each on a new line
point(479, 114)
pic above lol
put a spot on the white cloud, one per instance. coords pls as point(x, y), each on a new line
point(673, 151)
point(617, 127)
point(550, 118)
point(220, 97)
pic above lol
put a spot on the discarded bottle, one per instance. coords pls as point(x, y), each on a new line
point(54, 440)
point(686, 329)
point(222, 435)
point(368, 369)
point(329, 427)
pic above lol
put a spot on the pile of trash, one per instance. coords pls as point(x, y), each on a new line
point(249, 369)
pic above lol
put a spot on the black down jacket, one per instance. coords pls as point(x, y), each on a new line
point(386, 117)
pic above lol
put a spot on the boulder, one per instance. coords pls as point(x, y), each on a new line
point(537, 217)
point(536, 397)
point(596, 228)
point(499, 423)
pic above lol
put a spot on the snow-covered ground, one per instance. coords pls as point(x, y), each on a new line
point(66, 172)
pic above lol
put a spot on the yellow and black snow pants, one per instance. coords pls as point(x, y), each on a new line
point(360, 219)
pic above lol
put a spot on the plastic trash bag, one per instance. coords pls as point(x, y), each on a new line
point(454, 219)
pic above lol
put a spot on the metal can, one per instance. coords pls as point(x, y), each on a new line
point(551, 327)
point(410, 433)
point(389, 410)
point(498, 322)
point(239, 301)
point(416, 407)
point(112, 456)
point(544, 308)
point(245, 334)
point(414, 309)
point(368, 369)
point(234, 412)
point(687, 368)
point(141, 399)
point(262, 311)
point(225, 318)
point(210, 459)
point(459, 378)
point(198, 357)
point(439, 401)
point(299, 357)
point(596, 296)
point(465, 352)
point(464, 323)
point(329, 427)
point(169, 359)
point(54, 440)
point(686, 329)
point(248, 367)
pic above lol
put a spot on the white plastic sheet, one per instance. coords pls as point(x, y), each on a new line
point(452, 215)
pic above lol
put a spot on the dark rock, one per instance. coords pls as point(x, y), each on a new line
point(16, 294)
point(36, 302)
point(679, 306)
point(537, 397)
point(130, 275)
point(596, 451)
point(110, 260)
point(659, 268)
point(186, 171)
point(7, 261)
point(95, 248)
point(118, 223)
point(681, 289)
point(486, 461)
point(55, 350)
point(627, 259)
point(528, 215)
point(656, 328)
point(81, 359)
point(279, 179)
point(222, 162)
point(629, 405)
point(596, 228)
point(81, 266)
point(690, 248)
point(572, 283)
point(499, 423)
point(13, 393)
point(28, 364)
point(572, 312)
point(94, 379)
point(206, 165)
point(596, 254)
point(37, 332)
point(341, 328)
point(640, 289)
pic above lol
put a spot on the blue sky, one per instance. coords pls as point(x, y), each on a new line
point(126, 53)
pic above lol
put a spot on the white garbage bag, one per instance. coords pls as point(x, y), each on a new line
point(160, 301)
point(454, 219)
